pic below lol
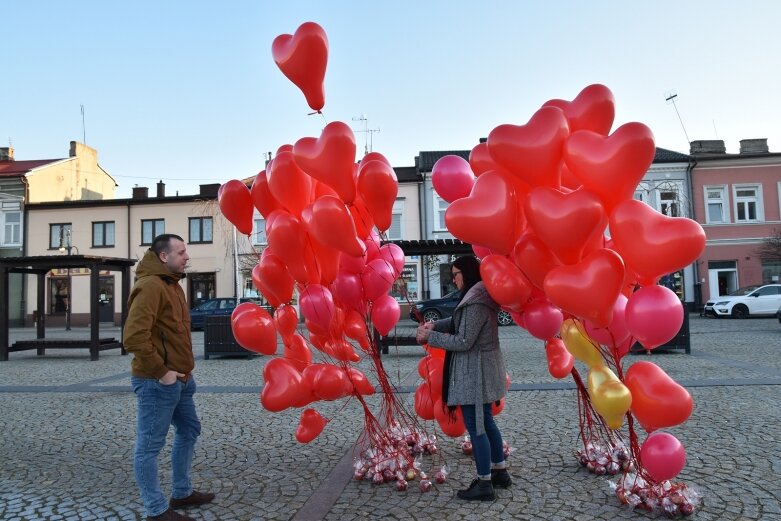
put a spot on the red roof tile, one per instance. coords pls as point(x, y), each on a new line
point(15, 168)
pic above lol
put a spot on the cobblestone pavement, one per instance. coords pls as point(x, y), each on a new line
point(67, 429)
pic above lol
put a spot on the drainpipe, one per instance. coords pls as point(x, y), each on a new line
point(423, 196)
point(695, 265)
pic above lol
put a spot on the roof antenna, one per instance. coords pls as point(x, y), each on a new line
point(670, 98)
point(368, 133)
point(83, 127)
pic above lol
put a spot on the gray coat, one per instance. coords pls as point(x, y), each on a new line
point(477, 372)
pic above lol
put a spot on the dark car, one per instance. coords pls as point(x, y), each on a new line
point(437, 308)
point(214, 307)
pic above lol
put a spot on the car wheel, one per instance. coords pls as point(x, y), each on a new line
point(740, 311)
point(431, 315)
point(504, 318)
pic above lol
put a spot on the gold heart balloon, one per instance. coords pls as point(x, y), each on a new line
point(610, 397)
point(579, 344)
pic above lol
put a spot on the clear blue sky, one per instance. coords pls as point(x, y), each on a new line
point(188, 91)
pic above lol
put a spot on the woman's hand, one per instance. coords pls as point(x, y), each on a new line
point(423, 332)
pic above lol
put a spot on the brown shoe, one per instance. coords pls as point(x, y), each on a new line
point(170, 515)
point(193, 500)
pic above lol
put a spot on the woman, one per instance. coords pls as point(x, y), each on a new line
point(474, 374)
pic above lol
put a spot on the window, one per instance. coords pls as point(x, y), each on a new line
point(151, 228)
point(200, 229)
point(12, 232)
point(440, 206)
point(259, 234)
point(748, 203)
point(103, 234)
point(59, 235)
point(716, 204)
point(396, 230)
point(668, 199)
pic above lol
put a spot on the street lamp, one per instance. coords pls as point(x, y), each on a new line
point(67, 246)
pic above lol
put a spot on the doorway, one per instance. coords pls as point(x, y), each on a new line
point(202, 286)
point(722, 278)
point(106, 299)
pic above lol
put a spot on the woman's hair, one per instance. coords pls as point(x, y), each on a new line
point(470, 271)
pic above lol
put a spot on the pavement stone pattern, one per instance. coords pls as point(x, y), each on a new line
point(67, 429)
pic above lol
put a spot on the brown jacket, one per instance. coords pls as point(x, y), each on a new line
point(157, 330)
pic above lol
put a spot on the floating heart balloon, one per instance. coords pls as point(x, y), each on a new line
point(385, 314)
point(273, 280)
point(488, 217)
point(289, 240)
point(534, 258)
point(329, 382)
point(452, 177)
point(286, 320)
point(614, 334)
point(262, 197)
point(393, 255)
point(289, 185)
point(361, 384)
point(504, 281)
point(364, 222)
point(302, 57)
point(330, 158)
point(480, 161)
point(662, 456)
point(565, 223)
point(543, 320)
point(451, 424)
point(378, 187)
point(592, 109)
point(532, 152)
point(658, 401)
point(654, 315)
point(560, 361)
point(348, 289)
point(377, 279)
point(611, 398)
point(579, 344)
point(611, 166)
point(310, 426)
point(424, 406)
point(236, 205)
point(317, 305)
point(333, 226)
point(653, 244)
point(298, 352)
point(282, 385)
point(253, 328)
point(589, 288)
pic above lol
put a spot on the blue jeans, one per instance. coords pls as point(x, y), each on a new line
point(486, 448)
point(160, 406)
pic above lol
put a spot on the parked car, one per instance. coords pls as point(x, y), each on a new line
point(437, 308)
point(213, 307)
point(745, 302)
point(778, 314)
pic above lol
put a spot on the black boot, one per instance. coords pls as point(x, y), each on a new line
point(501, 478)
point(479, 490)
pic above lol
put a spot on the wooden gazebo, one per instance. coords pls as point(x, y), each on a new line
point(40, 266)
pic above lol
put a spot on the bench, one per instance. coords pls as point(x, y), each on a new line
point(400, 337)
point(42, 344)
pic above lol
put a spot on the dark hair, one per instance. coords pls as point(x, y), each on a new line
point(470, 271)
point(162, 243)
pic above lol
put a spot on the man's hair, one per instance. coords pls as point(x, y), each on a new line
point(162, 243)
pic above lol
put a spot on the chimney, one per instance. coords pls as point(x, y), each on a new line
point(6, 154)
point(140, 192)
point(210, 190)
point(707, 146)
point(753, 146)
point(161, 189)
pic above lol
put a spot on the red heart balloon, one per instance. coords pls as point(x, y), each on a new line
point(310, 426)
point(424, 406)
point(282, 385)
point(560, 361)
point(289, 240)
point(480, 161)
point(262, 197)
point(658, 401)
point(532, 152)
point(361, 384)
point(253, 328)
point(330, 158)
point(589, 288)
point(592, 109)
point(286, 320)
point(273, 280)
point(611, 166)
point(297, 351)
point(332, 225)
point(653, 244)
point(328, 381)
point(236, 205)
point(488, 217)
point(289, 184)
point(506, 284)
point(451, 424)
point(378, 187)
point(364, 222)
point(565, 223)
point(534, 258)
point(302, 57)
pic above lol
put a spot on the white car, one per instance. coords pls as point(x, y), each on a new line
point(745, 302)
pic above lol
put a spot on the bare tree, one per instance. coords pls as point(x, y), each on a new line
point(770, 250)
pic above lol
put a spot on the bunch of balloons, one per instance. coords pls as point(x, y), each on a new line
point(548, 206)
point(323, 215)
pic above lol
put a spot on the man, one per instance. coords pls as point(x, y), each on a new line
point(157, 332)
